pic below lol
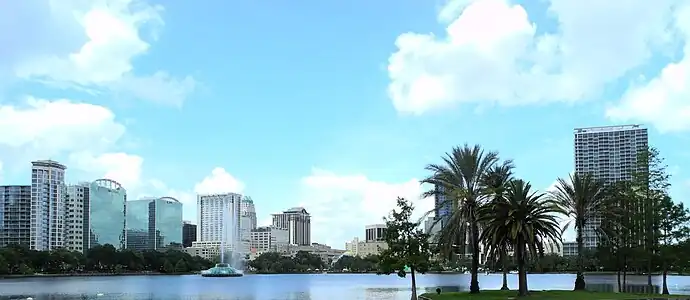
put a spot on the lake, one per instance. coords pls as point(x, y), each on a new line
point(283, 287)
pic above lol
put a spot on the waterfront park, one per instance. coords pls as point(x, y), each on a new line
point(641, 230)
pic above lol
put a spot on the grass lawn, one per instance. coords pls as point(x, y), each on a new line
point(549, 295)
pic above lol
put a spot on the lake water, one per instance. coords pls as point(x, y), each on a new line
point(283, 287)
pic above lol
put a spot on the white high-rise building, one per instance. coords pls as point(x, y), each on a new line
point(77, 202)
point(47, 205)
point(298, 223)
point(610, 154)
point(216, 211)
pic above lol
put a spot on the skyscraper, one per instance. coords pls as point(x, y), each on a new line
point(442, 208)
point(218, 219)
point(298, 223)
point(154, 223)
point(610, 154)
point(47, 205)
point(248, 209)
point(106, 218)
point(15, 214)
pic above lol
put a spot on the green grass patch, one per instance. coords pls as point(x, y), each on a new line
point(549, 295)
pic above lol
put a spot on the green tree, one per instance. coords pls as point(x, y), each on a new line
point(459, 180)
point(673, 227)
point(181, 266)
point(408, 246)
point(582, 198)
point(4, 266)
point(651, 182)
point(495, 183)
point(524, 218)
point(168, 267)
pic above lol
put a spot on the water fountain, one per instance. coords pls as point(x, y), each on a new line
point(226, 269)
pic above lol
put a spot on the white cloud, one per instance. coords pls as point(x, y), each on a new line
point(341, 205)
point(101, 39)
point(45, 128)
point(492, 52)
point(122, 167)
point(665, 99)
point(219, 181)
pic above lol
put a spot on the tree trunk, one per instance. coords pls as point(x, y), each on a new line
point(618, 277)
point(625, 272)
point(505, 271)
point(665, 285)
point(474, 270)
point(414, 284)
point(580, 277)
point(522, 272)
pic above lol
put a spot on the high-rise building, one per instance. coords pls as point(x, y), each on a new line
point(375, 233)
point(188, 234)
point(107, 213)
point(298, 223)
point(247, 223)
point(15, 215)
point(154, 223)
point(77, 214)
point(218, 219)
point(47, 205)
point(248, 209)
point(442, 208)
point(610, 154)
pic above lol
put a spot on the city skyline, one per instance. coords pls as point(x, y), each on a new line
point(178, 99)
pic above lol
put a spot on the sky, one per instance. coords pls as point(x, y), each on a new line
point(335, 106)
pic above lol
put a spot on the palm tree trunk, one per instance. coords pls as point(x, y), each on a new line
point(522, 273)
point(414, 284)
point(505, 270)
point(474, 270)
point(580, 277)
point(665, 285)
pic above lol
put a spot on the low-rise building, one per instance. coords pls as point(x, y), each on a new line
point(326, 253)
point(360, 248)
point(570, 249)
point(269, 239)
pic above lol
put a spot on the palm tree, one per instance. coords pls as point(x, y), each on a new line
point(459, 180)
point(526, 220)
point(495, 183)
point(582, 198)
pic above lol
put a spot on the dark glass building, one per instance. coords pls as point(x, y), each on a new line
point(15, 215)
point(188, 234)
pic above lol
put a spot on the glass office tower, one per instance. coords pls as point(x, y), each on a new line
point(154, 223)
point(107, 214)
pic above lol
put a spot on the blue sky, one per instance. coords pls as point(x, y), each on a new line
point(333, 105)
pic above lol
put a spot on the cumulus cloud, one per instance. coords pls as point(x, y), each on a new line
point(492, 51)
point(342, 204)
point(98, 42)
point(218, 182)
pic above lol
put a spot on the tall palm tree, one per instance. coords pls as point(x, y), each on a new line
point(495, 183)
point(582, 198)
point(525, 219)
point(459, 180)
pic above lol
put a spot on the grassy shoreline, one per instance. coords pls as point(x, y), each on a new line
point(548, 295)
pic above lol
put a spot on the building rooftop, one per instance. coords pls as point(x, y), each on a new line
point(608, 128)
point(48, 163)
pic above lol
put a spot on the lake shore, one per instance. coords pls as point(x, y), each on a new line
point(16, 276)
